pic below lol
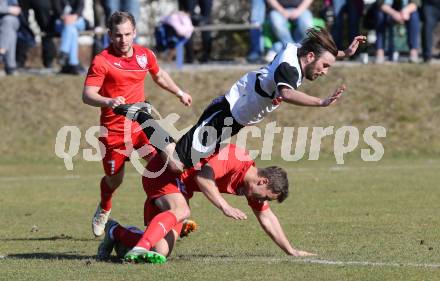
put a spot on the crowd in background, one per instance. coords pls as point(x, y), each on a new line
point(285, 20)
point(350, 17)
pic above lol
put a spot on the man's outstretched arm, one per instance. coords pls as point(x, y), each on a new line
point(296, 97)
point(205, 180)
point(351, 50)
point(269, 222)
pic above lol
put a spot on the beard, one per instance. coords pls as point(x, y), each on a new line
point(123, 49)
point(309, 72)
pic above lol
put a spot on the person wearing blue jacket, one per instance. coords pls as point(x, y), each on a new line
point(9, 24)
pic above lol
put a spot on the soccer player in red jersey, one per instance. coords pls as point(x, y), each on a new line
point(116, 76)
point(230, 171)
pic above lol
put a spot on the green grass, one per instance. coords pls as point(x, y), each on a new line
point(359, 212)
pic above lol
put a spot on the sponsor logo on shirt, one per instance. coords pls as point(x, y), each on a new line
point(118, 64)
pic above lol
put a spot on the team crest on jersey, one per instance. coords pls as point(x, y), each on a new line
point(142, 60)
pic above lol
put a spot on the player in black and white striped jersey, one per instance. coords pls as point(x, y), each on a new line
point(251, 98)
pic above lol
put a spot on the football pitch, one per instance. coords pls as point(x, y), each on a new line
point(364, 220)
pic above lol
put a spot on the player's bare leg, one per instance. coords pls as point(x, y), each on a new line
point(166, 245)
point(169, 155)
point(108, 185)
point(174, 210)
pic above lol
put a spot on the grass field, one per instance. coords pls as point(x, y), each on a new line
point(365, 220)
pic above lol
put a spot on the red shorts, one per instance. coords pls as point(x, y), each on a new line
point(113, 160)
point(166, 183)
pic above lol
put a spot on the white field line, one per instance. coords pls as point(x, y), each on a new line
point(216, 260)
point(313, 261)
point(433, 165)
point(39, 177)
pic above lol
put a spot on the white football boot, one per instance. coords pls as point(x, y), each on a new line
point(99, 220)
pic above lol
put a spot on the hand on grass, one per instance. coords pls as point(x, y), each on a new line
point(234, 213)
point(298, 253)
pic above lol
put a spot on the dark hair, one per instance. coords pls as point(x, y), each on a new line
point(118, 18)
point(318, 41)
point(278, 182)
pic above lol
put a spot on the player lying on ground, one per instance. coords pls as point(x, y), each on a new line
point(230, 171)
point(124, 237)
point(249, 100)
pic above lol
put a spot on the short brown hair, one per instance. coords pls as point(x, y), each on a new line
point(119, 17)
point(278, 182)
point(318, 41)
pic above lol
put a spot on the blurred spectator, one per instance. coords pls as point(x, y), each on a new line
point(130, 6)
point(281, 13)
point(353, 9)
point(99, 15)
point(400, 12)
point(173, 29)
point(327, 13)
point(100, 37)
point(258, 15)
point(44, 16)
point(69, 23)
point(201, 19)
point(9, 24)
point(108, 7)
point(431, 16)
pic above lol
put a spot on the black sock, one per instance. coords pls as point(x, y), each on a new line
point(141, 117)
point(158, 137)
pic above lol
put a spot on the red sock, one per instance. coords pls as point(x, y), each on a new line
point(126, 236)
point(106, 195)
point(158, 228)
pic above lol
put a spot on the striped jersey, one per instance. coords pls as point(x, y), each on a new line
point(256, 94)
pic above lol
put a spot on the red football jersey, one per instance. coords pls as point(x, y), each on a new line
point(117, 76)
point(230, 165)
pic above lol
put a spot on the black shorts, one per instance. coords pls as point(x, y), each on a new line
point(214, 126)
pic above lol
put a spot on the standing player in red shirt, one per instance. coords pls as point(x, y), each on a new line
point(230, 171)
point(116, 76)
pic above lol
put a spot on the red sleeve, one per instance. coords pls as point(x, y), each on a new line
point(97, 72)
point(258, 205)
point(152, 63)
